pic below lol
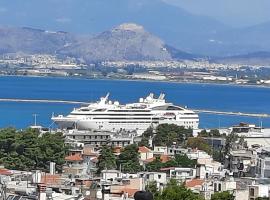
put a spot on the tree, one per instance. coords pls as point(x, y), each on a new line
point(168, 134)
point(155, 165)
point(229, 143)
point(178, 161)
point(184, 161)
point(214, 133)
point(147, 134)
point(175, 192)
point(211, 133)
point(27, 150)
point(106, 159)
point(199, 143)
point(222, 196)
point(152, 187)
point(128, 160)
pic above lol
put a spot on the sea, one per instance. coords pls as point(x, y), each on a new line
point(249, 99)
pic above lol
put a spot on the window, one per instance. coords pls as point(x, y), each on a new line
point(159, 176)
point(219, 187)
point(252, 192)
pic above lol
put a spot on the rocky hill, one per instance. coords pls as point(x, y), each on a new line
point(125, 42)
point(31, 41)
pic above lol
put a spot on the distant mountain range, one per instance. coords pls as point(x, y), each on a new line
point(256, 58)
point(178, 28)
point(125, 42)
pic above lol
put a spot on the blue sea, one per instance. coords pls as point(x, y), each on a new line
point(200, 96)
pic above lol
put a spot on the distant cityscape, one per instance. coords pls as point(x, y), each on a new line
point(183, 71)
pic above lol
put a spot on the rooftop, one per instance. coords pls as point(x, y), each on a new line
point(75, 157)
point(194, 183)
point(144, 149)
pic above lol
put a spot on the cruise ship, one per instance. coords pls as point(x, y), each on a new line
point(112, 116)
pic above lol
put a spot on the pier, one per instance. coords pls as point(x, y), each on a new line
point(259, 115)
point(42, 101)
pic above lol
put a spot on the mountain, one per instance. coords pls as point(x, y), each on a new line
point(241, 41)
point(255, 58)
point(30, 41)
point(177, 27)
point(127, 41)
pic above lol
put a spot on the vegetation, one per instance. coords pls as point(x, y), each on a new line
point(128, 160)
point(152, 187)
point(222, 196)
point(27, 150)
point(165, 135)
point(106, 159)
point(199, 143)
point(175, 192)
point(178, 161)
point(149, 133)
point(168, 134)
point(211, 133)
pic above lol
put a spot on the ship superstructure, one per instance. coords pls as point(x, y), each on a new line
point(112, 116)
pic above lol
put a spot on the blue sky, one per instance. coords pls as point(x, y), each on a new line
point(62, 14)
point(232, 12)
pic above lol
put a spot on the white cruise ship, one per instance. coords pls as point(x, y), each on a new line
point(112, 116)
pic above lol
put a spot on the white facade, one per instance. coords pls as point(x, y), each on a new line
point(109, 175)
point(256, 191)
point(159, 177)
point(182, 173)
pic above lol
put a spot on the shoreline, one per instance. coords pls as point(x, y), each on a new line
point(145, 80)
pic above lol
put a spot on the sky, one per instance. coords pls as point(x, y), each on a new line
point(237, 13)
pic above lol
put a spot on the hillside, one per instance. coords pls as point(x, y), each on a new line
point(127, 41)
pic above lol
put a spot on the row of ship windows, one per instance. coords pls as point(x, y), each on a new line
point(189, 122)
point(133, 122)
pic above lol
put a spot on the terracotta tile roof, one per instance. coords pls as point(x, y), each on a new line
point(194, 182)
point(130, 191)
point(163, 159)
point(5, 172)
point(87, 151)
point(144, 149)
point(75, 157)
point(49, 179)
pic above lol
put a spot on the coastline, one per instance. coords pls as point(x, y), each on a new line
point(144, 80)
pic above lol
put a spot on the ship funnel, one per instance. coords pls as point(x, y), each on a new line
point(103, 100)
point(161, 96)
point(107, 95)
